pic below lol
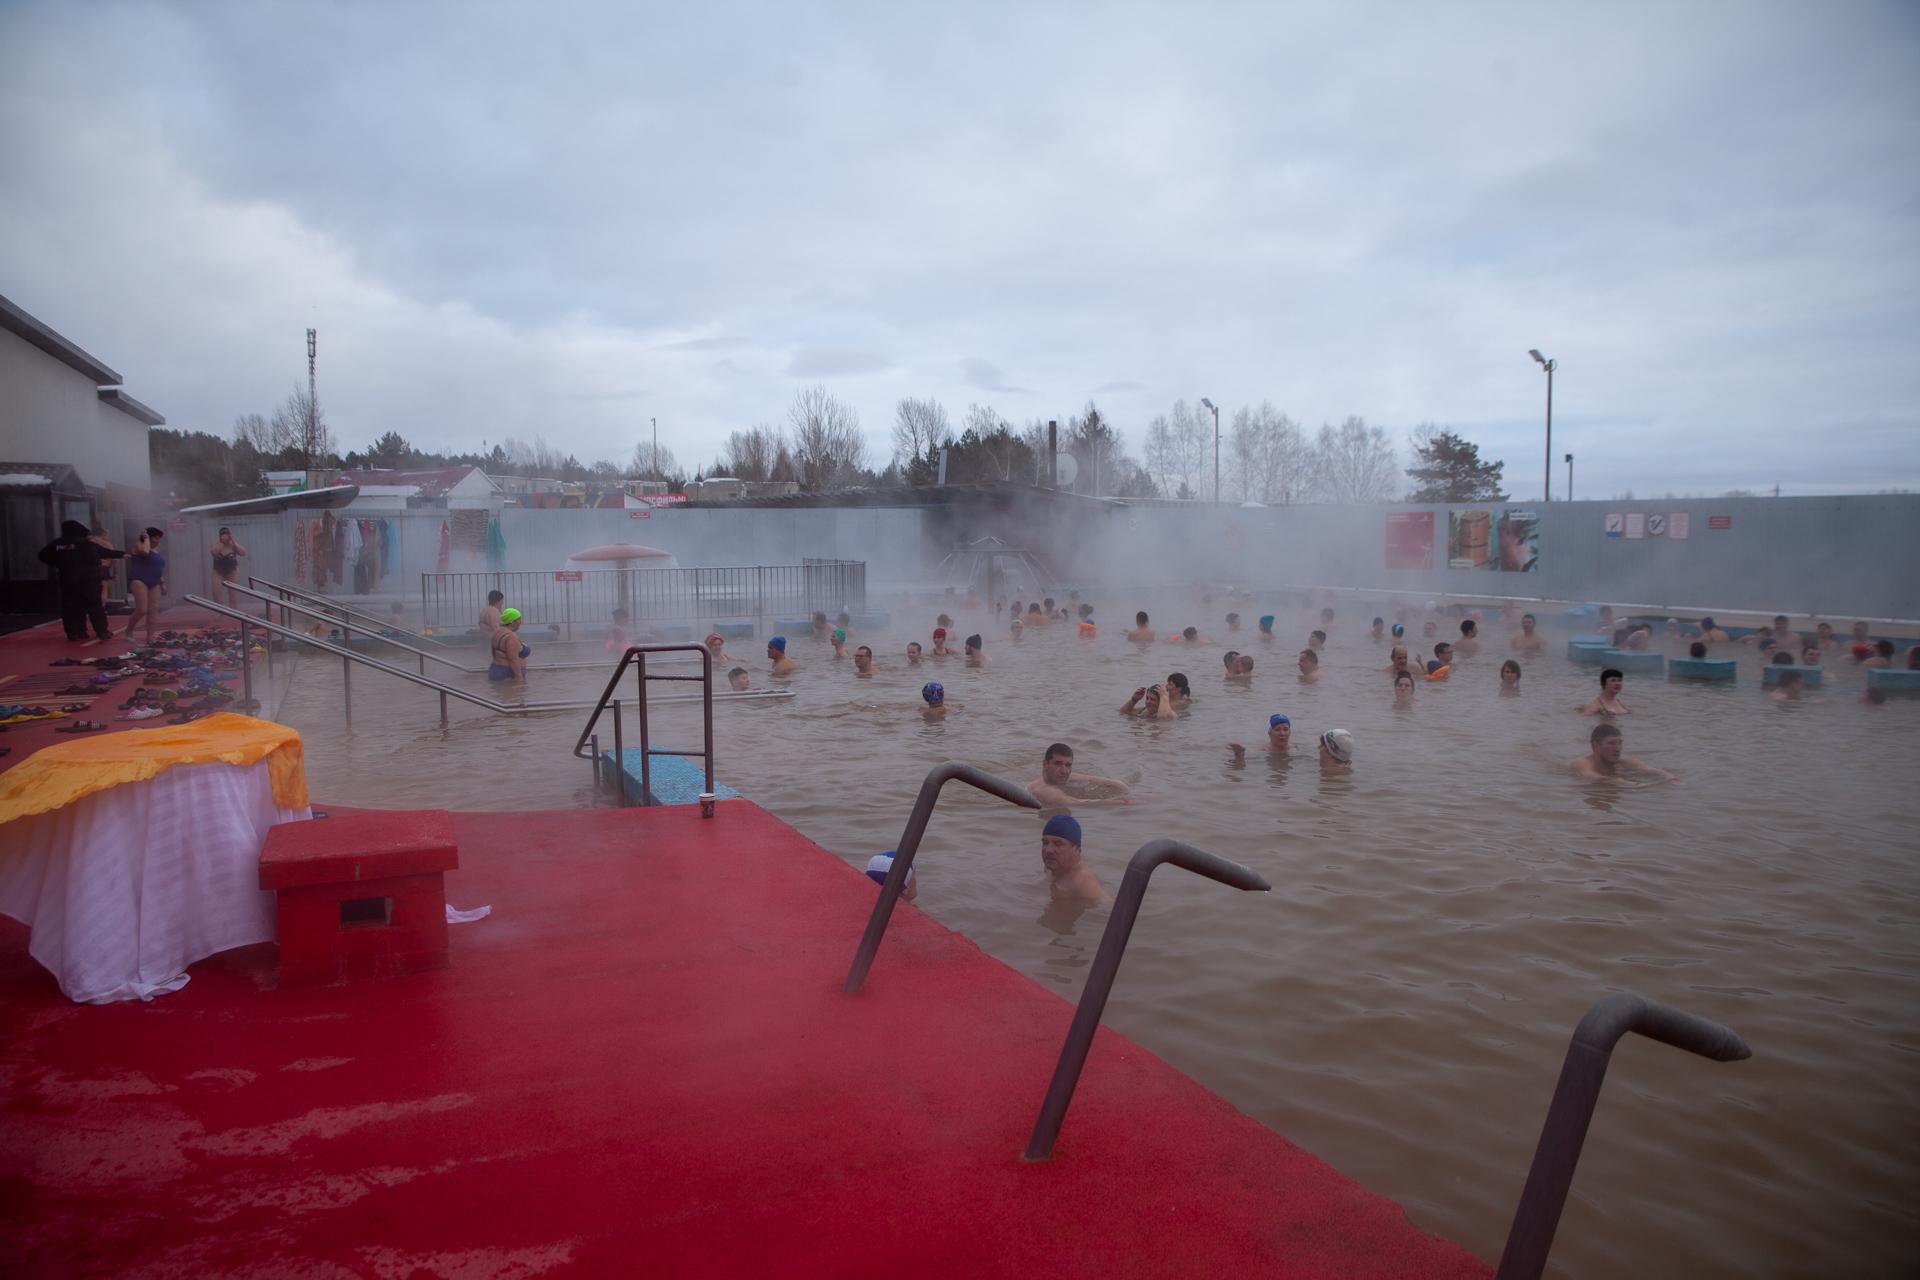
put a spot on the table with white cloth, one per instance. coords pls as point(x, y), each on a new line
point(126, 885)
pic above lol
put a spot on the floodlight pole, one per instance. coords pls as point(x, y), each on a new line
point(1208, 404)
point(1546, 487)
point(1569, 477)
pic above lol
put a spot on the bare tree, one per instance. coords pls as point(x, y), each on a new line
point(653, 463)
point(265, 437)
point(303, 423)
point(1034, 436)
point(1179, 450)
point(1269, 455)
point(827, 446)
point(919, 428)
point(1353, 463)
point(749, 454)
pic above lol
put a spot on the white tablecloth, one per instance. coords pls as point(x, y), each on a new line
point(125, 888)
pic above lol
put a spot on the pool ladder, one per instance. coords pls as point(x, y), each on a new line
point(588, 745)
point(1575, 1095)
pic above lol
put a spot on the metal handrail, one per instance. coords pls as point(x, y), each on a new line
point(424, 656)
point(636, 657)
point(936, 778)
point(1537, 1216)
point(349, 656)
point(330, 605)
point(1106, 965)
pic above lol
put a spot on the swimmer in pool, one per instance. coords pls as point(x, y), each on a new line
point(619, 635)
point(509, 654)
point(1336, 752)
point(1231, 660)
point(1529, 639)
point(1141, 633)
point(977, 651)
point(1398, 631)
point(1379, 633)
point(913, 653)
point(1605, 760)
point(1639, 637)
point(1607, 701)
point(1783, 630)
point(1189, 636)
point(1035, 618)
point(1069, 878)
point(1810, 655)
point(717, 646)
point(940, 649)
point(777, 652)
point(839, 642)
point(1469, 642)
point(1179, 690)
point(1279, 740)
point(1429, 629)
point(1242, 669)
point(1787, 688)
point(1056, 775)
point(820, 627)
point(1233, 622)
point(738, 680)
point(1881, 657)
point(863, 661)
point(1403, 688)
point(844, 621)
point(1015, 630)
point(1824, 637)
point(935, 696)
point(1442, 659)
point(1309, 663)
point(1509, 679)
point(490, 616)
point(1711, 633)
point(1148, 702)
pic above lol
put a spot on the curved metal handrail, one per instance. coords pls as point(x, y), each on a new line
point(937, 777)
point(1106, 965)
point(1537, 1216)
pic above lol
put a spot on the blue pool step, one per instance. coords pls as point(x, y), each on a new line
point(1893, 680)
point(675, 779)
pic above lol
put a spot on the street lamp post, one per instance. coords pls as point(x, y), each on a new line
point(1569, 477)
point(1546, 486)
point(1209, 405)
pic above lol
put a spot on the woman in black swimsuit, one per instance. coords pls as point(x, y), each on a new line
point(226, 564)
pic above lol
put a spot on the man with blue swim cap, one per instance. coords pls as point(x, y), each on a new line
point(777, 651)
point(1069, 878)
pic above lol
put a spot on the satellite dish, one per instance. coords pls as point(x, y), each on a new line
point(1069, 467)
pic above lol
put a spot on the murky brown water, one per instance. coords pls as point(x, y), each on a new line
point(1401, 1003)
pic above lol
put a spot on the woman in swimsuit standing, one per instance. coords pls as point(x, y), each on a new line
point(147, 580)
point(226, 564)
point(509, 654)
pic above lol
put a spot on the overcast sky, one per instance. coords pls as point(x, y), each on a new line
point(564, 220)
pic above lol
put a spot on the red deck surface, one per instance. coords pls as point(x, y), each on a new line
point(641, 1064)
point(26, 676)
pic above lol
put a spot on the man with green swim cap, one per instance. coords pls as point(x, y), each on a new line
point(509, 653)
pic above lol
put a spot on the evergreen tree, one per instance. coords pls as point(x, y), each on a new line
point(1449, 470)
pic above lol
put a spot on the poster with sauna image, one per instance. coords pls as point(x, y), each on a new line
point(1470, 539)
point(1517, 538)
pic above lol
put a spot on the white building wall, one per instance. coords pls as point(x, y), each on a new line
point(51, 412)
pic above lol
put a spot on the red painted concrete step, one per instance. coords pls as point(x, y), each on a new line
point(641, 1065)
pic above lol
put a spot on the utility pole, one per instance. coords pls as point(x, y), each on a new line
point(1546, 483)
point(1208, 404)
point(656, 447)
point(313, 401)
point(1569, 477)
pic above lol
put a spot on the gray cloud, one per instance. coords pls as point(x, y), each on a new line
point(1711, 224)
point(987, 376)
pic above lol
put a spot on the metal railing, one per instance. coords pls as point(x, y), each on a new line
point(936, 778)
point(588, 597)
point(588, 744)
point(350, 658)
point(1106, 965)
point(356, 628)
point(1537, 1216)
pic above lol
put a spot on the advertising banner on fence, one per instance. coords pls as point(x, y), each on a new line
point(1410, 540)
point(1518, 532)
point(1470, 539)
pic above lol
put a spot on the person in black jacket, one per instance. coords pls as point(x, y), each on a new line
point(76, 558)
